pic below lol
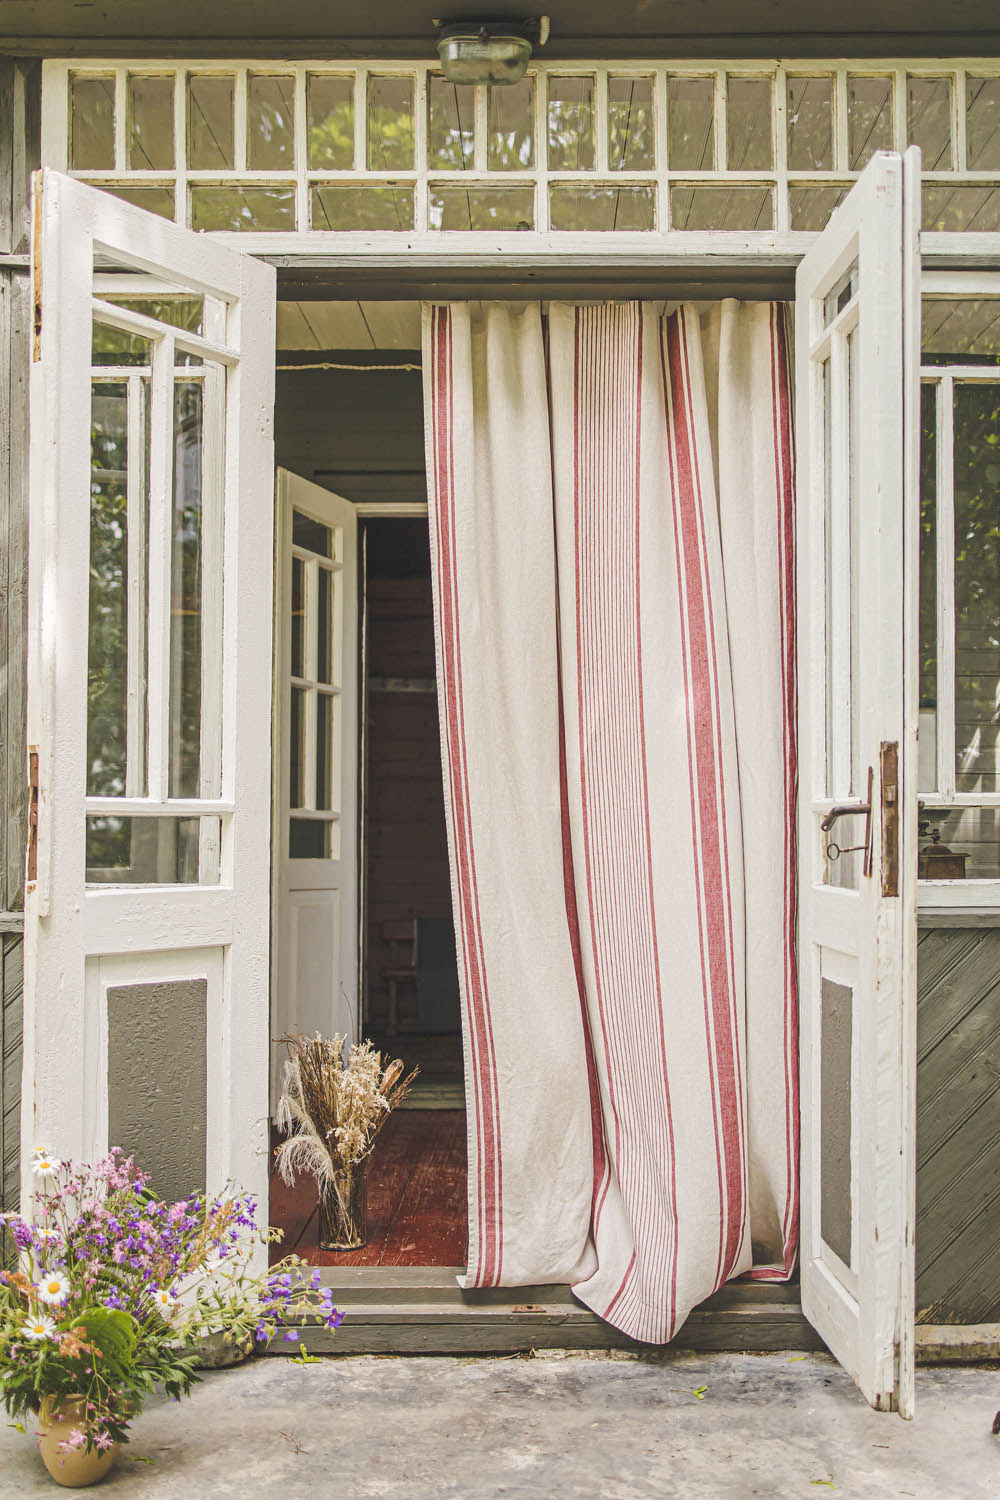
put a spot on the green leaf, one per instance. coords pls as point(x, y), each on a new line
point(699, 1392)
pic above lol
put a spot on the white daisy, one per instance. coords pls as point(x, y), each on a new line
point(45, 1165)
point(53, 1288)
point(39, 1328)
point(163, 1300)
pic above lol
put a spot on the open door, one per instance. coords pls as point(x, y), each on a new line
point(315, 799)
point(857, 320)
point(150, 580)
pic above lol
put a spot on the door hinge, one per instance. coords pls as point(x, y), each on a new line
point(32, 862)
point(890, 817)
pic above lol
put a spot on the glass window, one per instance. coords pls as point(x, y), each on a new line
point(499, 208)
point(210, 123)
point(958, 206)
point(603, 207)
point(749, 138)
point(330, 116)
point(690, 124)
point(810, 124)
point(976, 443)
point(152, 851)
point(270, 122)
point(390, 123)
point(91, 123)
point(344, 206)
point(721, 207)
point(810, 207)
point(982, 124)
point(631, 125)
point(869, 118)
point(155, 200)
point(150, 123)
point(928, 114)
point(246, 209)
point(571, 124)
point(450, 124)
point(510, 129)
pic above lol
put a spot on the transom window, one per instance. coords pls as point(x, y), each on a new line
point(394, 148)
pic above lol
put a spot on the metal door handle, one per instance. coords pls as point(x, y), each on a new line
point(845, 810)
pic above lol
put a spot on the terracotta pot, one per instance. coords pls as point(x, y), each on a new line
point(77, 1467)
point(219, 1350)
point(343, 1210)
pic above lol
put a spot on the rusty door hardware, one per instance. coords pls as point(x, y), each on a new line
point(846, 810)
point(890, 817)
point(32, 866)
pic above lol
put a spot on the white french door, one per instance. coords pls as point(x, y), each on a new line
point(316, 765)
point(857, 319)
point(150, 559)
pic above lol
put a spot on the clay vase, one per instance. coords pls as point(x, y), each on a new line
point(343, 1210)
point(78, 1467)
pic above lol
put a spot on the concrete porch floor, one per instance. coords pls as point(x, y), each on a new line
point(552, 1427)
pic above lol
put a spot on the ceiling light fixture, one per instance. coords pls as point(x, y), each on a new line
point(489, 51)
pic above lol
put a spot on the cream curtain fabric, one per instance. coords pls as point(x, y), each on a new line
point(610, 514)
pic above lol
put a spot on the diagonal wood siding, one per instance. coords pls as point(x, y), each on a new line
point(958, 1126)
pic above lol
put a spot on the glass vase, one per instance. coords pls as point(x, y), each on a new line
point(343, 1210)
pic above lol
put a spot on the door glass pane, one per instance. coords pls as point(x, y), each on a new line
point(571, 124)
point(311, 535)
point(854, 553)
point(298, 617)
point(749, 141)
point(324, 750)
point(690, 124)
point(869, 119)
point(928, 113)
point(195, 600)
point(297, 747)
point(92, 124)
point(977, 586)
point(150, 123)
point(510, 130)
point(810, 124)
point(308, 838)
point(390, 124)
point(927, 757)
point(324, 625)
point(330, 107)
point(270, 122)
point(631, 125)
point(450, 123)
point(210, 123)
point(116, 672)
point(152, 851)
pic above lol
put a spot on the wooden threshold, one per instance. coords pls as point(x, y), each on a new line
point(418, 1310)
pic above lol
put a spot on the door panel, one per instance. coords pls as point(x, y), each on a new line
point(857, 317)
point(150, 558)
point(316, 768)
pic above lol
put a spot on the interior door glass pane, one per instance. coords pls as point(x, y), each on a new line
point(828, 574)
point(869, 118)
point(450, 124)
point(510, 130)
point(152, 851)
point(150, 123)
point(631, 125)
point(116, 670)
point(858, 771)
point(810, 124)
point(298, 617)
point(571, 124)
point(297, 748)
point(982, 124)
point(324, 624)
point(928, 114)
point(308, 838)
point(330, 112)
point(749, 138)
point(690, 124)
point(977, 586)
point(927, 757)
point(324, 750)
point(270, 122)
point(91, 123)
point(311, 534)
point(210, 122)
point(195, 600)
point(390, 123)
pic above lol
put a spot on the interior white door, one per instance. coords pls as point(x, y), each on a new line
point(316, 839)
point(150, 580)
point(857, 321)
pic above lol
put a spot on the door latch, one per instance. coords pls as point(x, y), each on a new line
point(846, 810)
point(32, 861)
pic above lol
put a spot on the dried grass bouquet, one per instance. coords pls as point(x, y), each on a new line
point(332, 1110)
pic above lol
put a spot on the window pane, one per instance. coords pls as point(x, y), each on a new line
point(195, 601)
point(576, 206)
point(325, 591)
point(749, 139)
point(152, 851)
point(810, 124)
point(210, 123)
point(455, 207)
point(270, 122)
point(510, 126)
point(253, 209)
point(116, 671)
point(324, 751)
point(571, 124)
point(928, 112)
point(298, 617)
point(969, 835)
point(308, 838)
point(390, 124)
point(179, 312)
point(982, 124)
point(311, 534)
point(92, 124)
point(721, 208)
point(977, 586)
point(631, 125)
point(948, 207)
point(150, 123)
point(810, 207)
point(450, 123)
point(155, 200)
point(690, 124)
point(348, 207)
point(927, 757)
point(297, 747)
point(869, 119)
point(330, 105)
point(963, 330)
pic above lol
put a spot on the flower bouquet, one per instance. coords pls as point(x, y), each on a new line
point(332, 1111)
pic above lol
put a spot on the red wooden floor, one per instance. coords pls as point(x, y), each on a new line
point(416, 1198)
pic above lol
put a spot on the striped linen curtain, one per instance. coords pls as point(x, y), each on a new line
point(611, 535)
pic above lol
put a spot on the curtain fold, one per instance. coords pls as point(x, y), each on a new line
point(617, 710)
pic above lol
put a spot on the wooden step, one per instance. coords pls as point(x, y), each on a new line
point(417, 1310)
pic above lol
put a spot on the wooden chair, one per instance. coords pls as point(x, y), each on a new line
point(401, 936)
